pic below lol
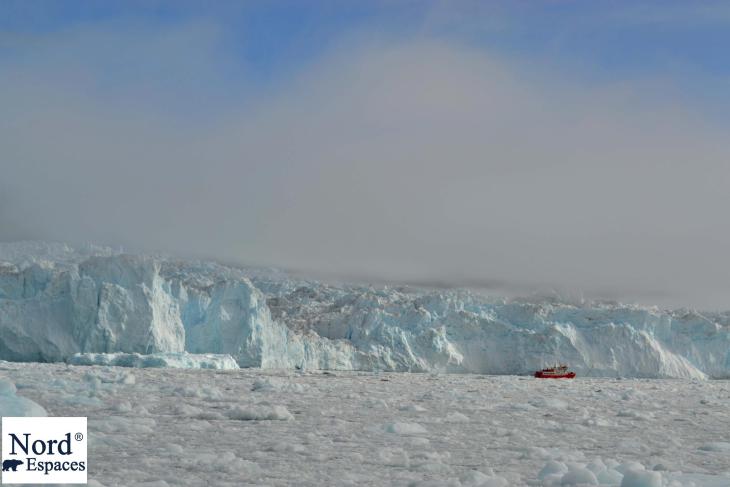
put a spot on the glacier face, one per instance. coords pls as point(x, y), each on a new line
point(57, 300)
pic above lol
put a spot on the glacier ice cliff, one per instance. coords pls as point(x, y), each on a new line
point(57, 300)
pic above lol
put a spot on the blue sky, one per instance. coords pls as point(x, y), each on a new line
point(684, 43)
point(537, 145)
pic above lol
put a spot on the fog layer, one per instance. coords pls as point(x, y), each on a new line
point(410, 160)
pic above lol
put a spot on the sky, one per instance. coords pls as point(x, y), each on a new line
point(518, 147)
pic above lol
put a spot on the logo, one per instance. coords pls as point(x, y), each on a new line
point(44, 451)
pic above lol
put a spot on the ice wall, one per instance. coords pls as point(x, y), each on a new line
point(56, 300)
point(458, 331)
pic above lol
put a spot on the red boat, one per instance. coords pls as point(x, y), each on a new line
point(557, 372)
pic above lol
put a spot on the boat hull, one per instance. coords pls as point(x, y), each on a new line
point(547, 375)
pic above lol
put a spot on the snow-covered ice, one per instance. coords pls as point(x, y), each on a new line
point(191, 427)
point(57, 300)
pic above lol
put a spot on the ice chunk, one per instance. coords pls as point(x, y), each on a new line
point(456, 417)
point(641, 478)
point(551, 469)
point(579, 476)
point(260, 412)
point(717, 446)
point(181, 360)
point(271, 384)
point(475, 478)
point(610, 477)
point(405, 429)
point(13, 405)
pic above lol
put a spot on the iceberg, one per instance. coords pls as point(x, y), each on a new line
point(57, 301)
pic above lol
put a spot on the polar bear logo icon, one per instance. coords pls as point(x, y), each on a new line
point(11, 465)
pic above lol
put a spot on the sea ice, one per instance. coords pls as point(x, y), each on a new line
point(190, 427)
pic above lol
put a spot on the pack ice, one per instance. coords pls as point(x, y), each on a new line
point(58, 300)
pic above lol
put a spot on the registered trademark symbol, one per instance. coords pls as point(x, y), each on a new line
point(78, 437)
